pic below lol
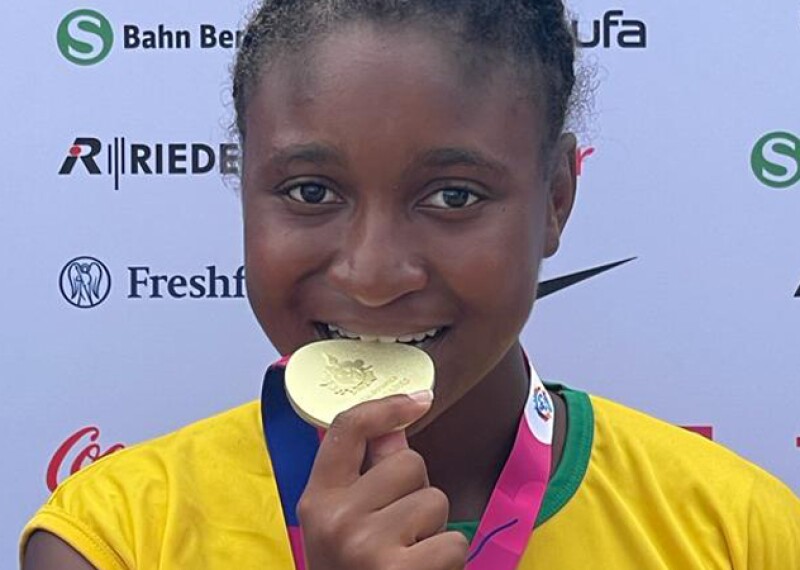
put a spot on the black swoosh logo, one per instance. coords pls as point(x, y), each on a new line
point(557, 284)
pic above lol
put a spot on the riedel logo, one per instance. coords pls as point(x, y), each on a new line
point(123, 158)
point(77, 451)
point(612, 30)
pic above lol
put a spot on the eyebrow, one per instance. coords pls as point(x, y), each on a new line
point(458, 156)
point(443, 157)
point(315, 153)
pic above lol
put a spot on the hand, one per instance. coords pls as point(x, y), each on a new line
point(368, 504)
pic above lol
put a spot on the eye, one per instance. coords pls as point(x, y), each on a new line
point(312, 193)
point(452, 199)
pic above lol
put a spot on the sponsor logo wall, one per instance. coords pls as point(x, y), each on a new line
point(85, 282)
point(86, 37)
point(676, 290)
point(125, 158)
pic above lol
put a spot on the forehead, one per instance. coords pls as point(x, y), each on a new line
point(398, 90)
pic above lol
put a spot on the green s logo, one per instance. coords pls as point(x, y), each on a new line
point(85, 37)
point(776, 159)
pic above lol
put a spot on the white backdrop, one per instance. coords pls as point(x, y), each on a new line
point(701, 328)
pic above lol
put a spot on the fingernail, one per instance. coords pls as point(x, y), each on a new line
point(422, 397)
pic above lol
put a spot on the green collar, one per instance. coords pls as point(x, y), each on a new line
point(574, 459)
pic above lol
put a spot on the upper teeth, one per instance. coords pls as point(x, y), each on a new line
point(414, 337)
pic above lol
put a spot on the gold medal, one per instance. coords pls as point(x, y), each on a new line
point(330, 376)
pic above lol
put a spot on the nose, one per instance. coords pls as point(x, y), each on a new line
point(376, 263)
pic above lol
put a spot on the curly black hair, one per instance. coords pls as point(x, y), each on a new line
point(534, 35)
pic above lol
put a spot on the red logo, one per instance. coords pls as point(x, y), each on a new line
point(581, 154)
point(705, 431)
point(82, 449)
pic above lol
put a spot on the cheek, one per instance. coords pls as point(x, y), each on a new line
point(498, 277)
point(263, 277)
point(277, 261)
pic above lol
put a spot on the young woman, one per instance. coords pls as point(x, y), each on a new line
point(405, 171)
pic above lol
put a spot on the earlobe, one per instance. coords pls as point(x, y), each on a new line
point(562, 187)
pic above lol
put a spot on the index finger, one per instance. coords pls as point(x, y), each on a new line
point(341, 452)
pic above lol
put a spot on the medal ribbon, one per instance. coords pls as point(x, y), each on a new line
point(507, 523)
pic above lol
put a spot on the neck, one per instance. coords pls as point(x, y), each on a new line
point(475, 437)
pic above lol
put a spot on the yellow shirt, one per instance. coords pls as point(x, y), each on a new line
point(631, 492)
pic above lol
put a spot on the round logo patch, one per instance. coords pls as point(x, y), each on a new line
point(84, 37)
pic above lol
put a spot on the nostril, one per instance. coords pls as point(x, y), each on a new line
point(374, 283)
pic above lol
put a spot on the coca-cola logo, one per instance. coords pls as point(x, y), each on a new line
point(77, 451)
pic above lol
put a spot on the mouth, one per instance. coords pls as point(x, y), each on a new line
point(421, 339)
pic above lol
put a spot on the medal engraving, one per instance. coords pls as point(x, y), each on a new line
point(327, 377)
point(347, 377)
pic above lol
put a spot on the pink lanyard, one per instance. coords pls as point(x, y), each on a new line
point(507, 523)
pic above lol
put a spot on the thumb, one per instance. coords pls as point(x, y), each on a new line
point(382, 447)
point(385, 445)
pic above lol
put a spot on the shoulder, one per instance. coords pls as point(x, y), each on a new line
point(126, 505)
point(694, 486)
point(229, 438)
point(620, 430)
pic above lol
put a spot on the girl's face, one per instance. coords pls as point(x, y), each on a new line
point(386, 194)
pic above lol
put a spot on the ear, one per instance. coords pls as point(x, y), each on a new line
point(561, 186)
